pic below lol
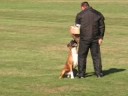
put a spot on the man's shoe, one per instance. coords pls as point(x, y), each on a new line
point(99, 75)
point(81, 77)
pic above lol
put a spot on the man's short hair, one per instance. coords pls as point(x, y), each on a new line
point(84, 4)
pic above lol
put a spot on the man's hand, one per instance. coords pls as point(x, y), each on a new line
point(100, 41)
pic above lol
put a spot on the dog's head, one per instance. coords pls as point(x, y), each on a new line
point(72, 44)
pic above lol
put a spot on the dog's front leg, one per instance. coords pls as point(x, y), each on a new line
point(71, 71)
point(72, 76)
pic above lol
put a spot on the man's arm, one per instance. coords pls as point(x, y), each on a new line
point(102, 26)
point(77, 20)
point(101, 29)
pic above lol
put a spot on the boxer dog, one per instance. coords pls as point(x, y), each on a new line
point(72, 61)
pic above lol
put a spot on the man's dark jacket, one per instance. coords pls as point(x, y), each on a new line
point(92, 24)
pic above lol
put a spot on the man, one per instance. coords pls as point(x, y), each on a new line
point(91, 36)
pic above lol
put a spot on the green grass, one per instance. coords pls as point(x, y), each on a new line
point(33, 38)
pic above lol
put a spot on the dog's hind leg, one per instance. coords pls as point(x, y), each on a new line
point(62, 74)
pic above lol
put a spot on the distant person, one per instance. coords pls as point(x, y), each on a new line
point(92, 28)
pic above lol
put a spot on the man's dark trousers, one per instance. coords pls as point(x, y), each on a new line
point(84, 47)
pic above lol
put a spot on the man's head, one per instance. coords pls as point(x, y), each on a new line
point(84, 5)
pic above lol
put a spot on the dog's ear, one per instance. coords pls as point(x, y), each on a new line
point(74, 41)
point(68, 45)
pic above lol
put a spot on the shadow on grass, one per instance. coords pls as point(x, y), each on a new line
point(106, 72)
point(112, 71)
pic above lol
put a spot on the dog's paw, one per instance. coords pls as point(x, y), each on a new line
point(68, 76)
point(60, 77)
point(72, 77)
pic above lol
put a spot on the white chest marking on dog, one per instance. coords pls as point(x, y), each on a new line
point(75, 56)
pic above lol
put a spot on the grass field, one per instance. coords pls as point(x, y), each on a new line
point(33, 38)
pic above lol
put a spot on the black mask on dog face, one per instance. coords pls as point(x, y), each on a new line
point(72, 43)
